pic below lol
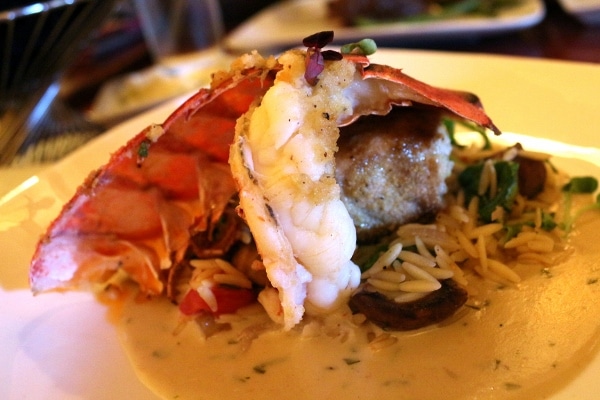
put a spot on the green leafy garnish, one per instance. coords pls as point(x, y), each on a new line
point(366, 257)
point(578, 185)
point(507, 188)
point(450, 125)
point(548, 221)
point(581, 184)
point(548, 224)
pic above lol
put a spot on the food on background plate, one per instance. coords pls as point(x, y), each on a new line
point(255, 191)
point(368, 12)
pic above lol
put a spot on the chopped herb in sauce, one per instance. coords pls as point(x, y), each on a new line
point(512, 386)
point(158, 354)
point(260, 369)
point(547, 272)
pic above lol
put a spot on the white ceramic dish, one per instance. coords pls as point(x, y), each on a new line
point(131, 94)
point(61, 346)
point(285, 23)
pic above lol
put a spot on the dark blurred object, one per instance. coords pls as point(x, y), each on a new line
point(116, 47)
point(235, 11)
point(37, 41)
point(176, 28)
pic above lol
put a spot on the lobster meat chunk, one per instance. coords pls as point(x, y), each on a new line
point(263, 135)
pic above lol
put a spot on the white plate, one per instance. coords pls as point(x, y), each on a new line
point(286, 23)
point(131, 94)
point(61, 346)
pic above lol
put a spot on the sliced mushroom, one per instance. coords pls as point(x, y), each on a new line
point(532, 176)
point(431, 309)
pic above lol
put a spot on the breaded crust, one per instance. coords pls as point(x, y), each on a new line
point(392, 169)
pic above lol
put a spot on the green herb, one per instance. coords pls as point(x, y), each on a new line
point(143, 149)
point(512, 386)
point(365, 47)
point(351, 361)
point(548, 224)
point(582, 184)
point(451, 129)
point(260, 369)
point(512, 231)
point(578, 185)
point(142, 152)
point(547, 272)
point(548, 221)
point(366, 257)
point(507, 175)
point(487, 143)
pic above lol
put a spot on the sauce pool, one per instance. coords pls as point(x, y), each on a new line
point(522, 342)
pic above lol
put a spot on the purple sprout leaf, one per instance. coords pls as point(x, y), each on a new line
point(318, 40)
point(315, 58)
point(315, 64)
point(332, 55)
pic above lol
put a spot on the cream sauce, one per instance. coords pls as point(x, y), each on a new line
point(524, 342)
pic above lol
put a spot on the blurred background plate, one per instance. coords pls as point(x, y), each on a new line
point(282, 24)
point(587, 11)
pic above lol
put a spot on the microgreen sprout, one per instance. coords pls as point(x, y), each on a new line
point(365, 47)
point(315, 57)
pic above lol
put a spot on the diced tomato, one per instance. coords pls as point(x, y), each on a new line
point(229, 300)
